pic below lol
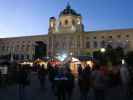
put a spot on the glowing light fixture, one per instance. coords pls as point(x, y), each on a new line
point(62, 57)
point(102, 50)
point(123, 61)
point(90, 63)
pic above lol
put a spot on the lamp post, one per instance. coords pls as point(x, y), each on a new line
point(71, 53)
point(12, 54)
point(103, 50)
point(102, 55)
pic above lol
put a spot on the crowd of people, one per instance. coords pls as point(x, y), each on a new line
point(99, 78)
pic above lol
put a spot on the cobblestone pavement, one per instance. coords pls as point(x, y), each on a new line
point(33, 92)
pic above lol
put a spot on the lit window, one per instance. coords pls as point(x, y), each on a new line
point(127, 40)
point(52, 24)
point(78, 21)
point(27, 56)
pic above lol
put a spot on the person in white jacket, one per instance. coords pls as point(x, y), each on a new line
point(124, 74)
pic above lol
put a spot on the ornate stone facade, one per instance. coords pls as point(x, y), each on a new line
point(66, 35)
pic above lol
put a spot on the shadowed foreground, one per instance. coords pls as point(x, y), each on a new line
point(33, 92)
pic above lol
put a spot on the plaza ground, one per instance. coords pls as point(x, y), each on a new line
point(33, 92)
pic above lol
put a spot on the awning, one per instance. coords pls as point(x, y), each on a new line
point(71, 60)
point(84, 58)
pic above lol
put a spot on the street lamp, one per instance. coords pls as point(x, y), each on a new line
point(71, 53)
point(123, 61)
point(103, 50)
point(62, 57)
point(12, 54)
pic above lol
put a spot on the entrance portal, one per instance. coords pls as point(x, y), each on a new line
point(40, 50)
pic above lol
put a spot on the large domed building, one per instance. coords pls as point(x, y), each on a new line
point(69, 21)
point(65, 35)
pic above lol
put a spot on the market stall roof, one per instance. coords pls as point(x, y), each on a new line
point(84, 58)
point(38, 61)
point(54, 61)
point(4, 62)
point(71, 59)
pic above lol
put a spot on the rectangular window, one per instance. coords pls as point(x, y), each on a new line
point(87, 44)
point(102, 44)
point(27, 48)
point(102, 37)
point(110, 37)
point(78, 44)
point(95, 44)
point(127, 35)
point(3, 47)
point(7, 48)
point(95, 37)
point(87, 38)
point(118, 36)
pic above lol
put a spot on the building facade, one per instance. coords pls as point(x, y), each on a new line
point(66, 35)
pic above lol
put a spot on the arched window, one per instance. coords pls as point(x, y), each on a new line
point(73, 22)
point(78, 21)
point(66, 22)
point(87, 44)
point(103, 43)
point(51, 24)
point(95, 45)
point(60, 24)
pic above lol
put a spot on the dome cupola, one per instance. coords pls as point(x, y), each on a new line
point(68, 11)
point(69, 21)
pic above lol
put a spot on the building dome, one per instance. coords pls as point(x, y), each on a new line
point(68, 11)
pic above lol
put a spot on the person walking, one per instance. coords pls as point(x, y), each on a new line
point(42, 77)
point(69, 84)
point(0, 79)
point(22, 80)
point(59, 82)
point(51, 74)
point(99, 83)
point(124, 76)
point(84, 83)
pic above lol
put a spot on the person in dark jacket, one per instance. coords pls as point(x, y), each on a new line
point(0, 79)
point(59, 81)
point(99, 83)
point(22, 80)
point(51, 74)
point(84, 83)
point(80, 69)
point(42, 76)
point(69, 84)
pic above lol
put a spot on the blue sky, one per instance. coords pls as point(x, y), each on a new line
point(30, 17)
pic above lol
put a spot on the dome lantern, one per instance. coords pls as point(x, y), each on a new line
point(69, 11)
